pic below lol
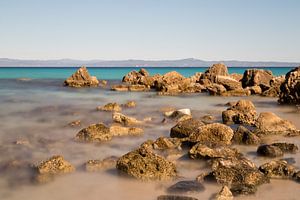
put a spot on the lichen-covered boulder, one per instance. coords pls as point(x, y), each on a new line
point(259, 77)
point(201, 151)
point(184, 129)
point(244, 136)
point(290, 88)
point(243, 112)
point(110, 107)
point(56, 165)
point(278, 169)
point(214, 133)
point(145, 165)
point(81, 78)
point(94, 133)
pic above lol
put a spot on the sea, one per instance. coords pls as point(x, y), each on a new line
point(35, 110)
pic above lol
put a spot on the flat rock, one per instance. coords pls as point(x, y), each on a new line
point(186, 187)
point(116, 130)
point(175, 197)
point(81, 78)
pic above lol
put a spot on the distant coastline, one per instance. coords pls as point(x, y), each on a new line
point(190, 62)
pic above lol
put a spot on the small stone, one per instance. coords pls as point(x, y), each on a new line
point(202, 151)
point(129, 104)
point(75, 123)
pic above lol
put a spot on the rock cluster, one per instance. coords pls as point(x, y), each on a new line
point(81, 78)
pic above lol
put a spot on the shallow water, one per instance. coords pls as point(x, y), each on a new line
point(39, 111)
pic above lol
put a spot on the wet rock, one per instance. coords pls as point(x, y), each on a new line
point(290, 88)
point(184, 129)
point(269, 151)
point(179, 115)
point(175, 197)
point(163, 143)
point(98, 165)
point(286, 147)
point(237, 92)
point(270, 124)
point(243, 112)
point(228, 82)
point(75, 123)
point(94, 133)
point(243, 136)
point(81, 78)
point(129, 104)
point(125, 120)
point(24, 142)
point(278, 169)
point(56, 165)
point(297, 176)
point(116, 130)
point(202, 151)
point(224, 194)
point(214, 133)
point(145, 165)
point(110, 107)
point(253, 77)
point(218, 69)
point(196, 77)
point(186, 187)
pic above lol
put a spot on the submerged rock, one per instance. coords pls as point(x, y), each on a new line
point(145, 165)
point(244, 136)
point(243, 112)
point(186, 187)
point(125, 120)
point(224, 194)
point(203, 151)
point(81, 78)
point(278, 169)
point(286, 147)
point(56, 165)
point(184, 129)
point(290, 88)
point(110, 107)
point(98, 165)
point(175, 197)
point(94, 132)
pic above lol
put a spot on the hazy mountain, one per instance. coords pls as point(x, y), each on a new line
point(190, 62)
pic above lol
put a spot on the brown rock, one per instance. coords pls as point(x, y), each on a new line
point(202, 151)
point(278, 169)
point(228, 82)
point(175, 197)
point(125, 120)
point(215, 70)
point(253, 77)
point(124, 131)
point(163, 143)
point(185, 128)
point(98, 165)
point(81, 78)
point(94, 133)
point(129, 104)
point(120, 88)
point(269, 151)
point(75, 123)
point(224, 194)
point(186, 187)
point(243, 136)
point(110, 107)
point(290, 88)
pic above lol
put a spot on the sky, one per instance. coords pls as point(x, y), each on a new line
point(252, 30)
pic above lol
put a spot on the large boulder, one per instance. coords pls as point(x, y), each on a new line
point(290, 88)
point(145, 165)
point(184, 129)
point(259, 77)
point(81, 78)
point(243, 112)
point(218, 69)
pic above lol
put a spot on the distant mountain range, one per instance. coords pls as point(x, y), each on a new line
point(190, 62)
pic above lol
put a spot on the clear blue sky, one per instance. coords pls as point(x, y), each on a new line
point(151, 29)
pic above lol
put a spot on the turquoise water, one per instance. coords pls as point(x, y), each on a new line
point(109, 73)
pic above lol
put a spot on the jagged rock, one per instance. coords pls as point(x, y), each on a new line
point(243, 136)
point(243, 112)
point(116, 130)
point(186, 187)
point(125, 120)
point(56, 165)
point(139, 78)
point(179, 115)
point(214, 133)
point(81, 78)
point(145, 165)
point(259, 77)
point(94, 133)
point(110, 107)
point(278, 169)
point(75, 123)
point(224, 194)
point(269, 151)
point(255, 89)
point(270, 124)
point(185, 128)
point(129, 104)
point(203, 151)
point(175, 197)
point(274, 89)
point(290, 88)
point(216, 89)
point(243, 189)
point(98, 165)
point(196, 77)
point(228, 82)
point(167, 143)
point(218, 69)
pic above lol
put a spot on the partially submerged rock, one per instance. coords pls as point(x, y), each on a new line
point(129, 104)
point(175, 197)
point(56, 165)
point(94, 133)
point(75, 123)
point(81, 78)
point(186, 187)
point(244, 136)
point(202, 151)
point(184, 129)
point(286, 147)
point(224, 194)
point(110, 107)
point(163, 143)
point(290, 88)
point(269, 151)
point(179, 115)
point(116, 130)
point(278, 169)
point(145, 165)
point(125, 120)
point(98, 165)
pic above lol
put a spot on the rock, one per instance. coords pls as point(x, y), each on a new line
point(184, 129)
point(175, 197)
point(179, 115)
point(81, 78)
point(186, 187)
point(224, 194)
point(218, 69)
point(286, 147)
point(253, 77)
point(255, 89)
point(269, 151)
point(56, 165)
point(75, 123)
point(236, 76)
point(138, 88)
point(94, 133)
point(237, 92)
point(129, 104)
point(228, 82)
point(110, 107)
point(172, 83)
point(24, 142)
point(270, 124)
point(202, 151)
point(243, 136)
point(216, 89)
point(98, 165)
point(145, 165)
point(214, 133)
point(120, 88)
point(116, 130)
point(278, 169)
point(140, 78)
point(163, 143)
point(297, 176)
point(290, 88)
point(196, 77)
point(274, 89)
point(243, 189)
point(243, 112)
point(125, 120)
